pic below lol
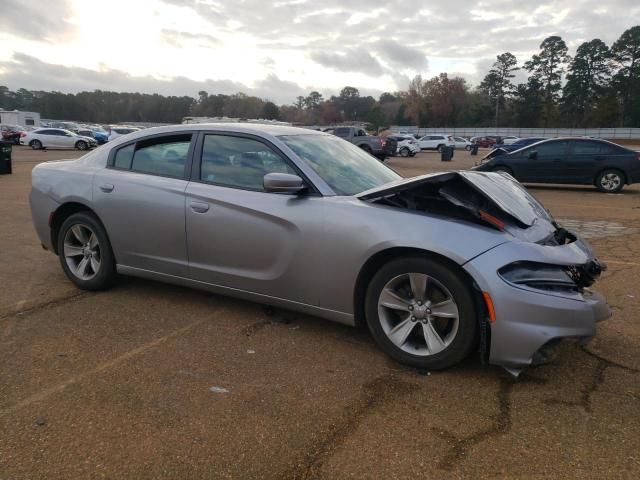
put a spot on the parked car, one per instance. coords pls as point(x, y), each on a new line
point(578, 161)
point(436, 142)
point(509, 140)
point(303, 220)
point(101, 137)
point(57, 138)
point(71, 126)
point(484, 142)
point(462, 143)
point(12, 133)
point(379, 147)
point(407, 145)
point(116, 132)
point(504, 149)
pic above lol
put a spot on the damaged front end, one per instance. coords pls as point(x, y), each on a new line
point(538, 281)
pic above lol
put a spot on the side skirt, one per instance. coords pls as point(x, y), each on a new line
point(335, 316)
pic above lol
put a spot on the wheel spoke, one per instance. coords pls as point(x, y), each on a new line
point(390, 299)
point(401, 332)
point(434, 342)
point(72, 251)
point(80, 234)
point(95, 265)
point(446, 309)
point(93, 241)
point(418, 285)
point(81, 269)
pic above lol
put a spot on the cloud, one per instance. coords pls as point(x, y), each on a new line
point(36, 22)
point(356, 60)
point(401, 56)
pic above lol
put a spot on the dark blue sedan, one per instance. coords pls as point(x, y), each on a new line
point(581, 161)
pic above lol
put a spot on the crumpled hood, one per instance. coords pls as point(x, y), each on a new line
point(500, 188)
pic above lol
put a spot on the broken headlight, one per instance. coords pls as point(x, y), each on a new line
point(540, 276)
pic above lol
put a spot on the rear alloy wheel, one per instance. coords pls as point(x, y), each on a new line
point(35, 144)
point(82, 145)
point(610, 181)
point(404, 152)
point(85, 252)
point(440, 148)
point(421, 313)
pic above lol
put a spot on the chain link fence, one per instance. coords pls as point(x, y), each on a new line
point(610, 133)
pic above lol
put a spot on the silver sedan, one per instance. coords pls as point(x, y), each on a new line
point(437, 266)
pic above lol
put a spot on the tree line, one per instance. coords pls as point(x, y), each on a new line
point(599, 86)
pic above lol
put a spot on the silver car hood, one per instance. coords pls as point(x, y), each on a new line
point(502, 189)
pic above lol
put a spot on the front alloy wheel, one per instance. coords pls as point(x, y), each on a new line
point(421, 312)
point(418, 314)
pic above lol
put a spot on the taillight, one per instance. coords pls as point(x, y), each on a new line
point(23, 134)
point(383, 142)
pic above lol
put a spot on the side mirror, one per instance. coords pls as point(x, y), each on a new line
point(533, 155)
point(283, 183)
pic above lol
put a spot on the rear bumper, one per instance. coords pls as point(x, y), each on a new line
point(526, 319)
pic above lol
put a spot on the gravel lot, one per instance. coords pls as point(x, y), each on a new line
point(118, 384)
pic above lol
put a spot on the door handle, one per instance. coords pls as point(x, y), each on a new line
point(106, 188)
point(199, 207)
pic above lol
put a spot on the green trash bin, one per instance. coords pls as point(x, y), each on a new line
point(5, 158)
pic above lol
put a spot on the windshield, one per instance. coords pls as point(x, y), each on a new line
point(347, 169)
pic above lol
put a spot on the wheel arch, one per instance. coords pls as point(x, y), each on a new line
point(377, 260)
point(625, 177)
point(63, 212)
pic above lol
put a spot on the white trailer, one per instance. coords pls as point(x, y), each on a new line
point(16, 117)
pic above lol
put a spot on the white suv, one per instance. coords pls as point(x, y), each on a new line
point(436, 142)
point(407, 145)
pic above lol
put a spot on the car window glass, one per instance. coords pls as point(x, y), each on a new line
point(164, 156)
point(606, 149)
point(239, 162)
point(586, 148)
point(341, 132)
point(124, 156)
point(551, 148)
point(346, 168)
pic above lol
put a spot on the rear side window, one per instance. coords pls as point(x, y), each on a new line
point(239, 162)
point(124, 156)
point(586, 148)
point(341, 132)
point(165, 156)
point(551, 148)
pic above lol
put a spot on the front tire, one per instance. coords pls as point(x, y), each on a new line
point(610, 181)
point(421, 313)
point(404, 152)
point(82, 145)
point(85, 252)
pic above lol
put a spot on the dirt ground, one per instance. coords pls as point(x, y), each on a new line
point(118, 384)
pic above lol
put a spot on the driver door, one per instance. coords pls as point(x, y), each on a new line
point(240, 236)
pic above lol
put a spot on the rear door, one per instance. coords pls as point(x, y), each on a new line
point(140, 199)
point(240, 236)
point(549, 163)
point(584, 160)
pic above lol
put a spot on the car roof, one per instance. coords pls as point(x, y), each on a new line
point(250, 128)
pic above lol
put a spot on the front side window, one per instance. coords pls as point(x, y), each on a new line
point(347, 169)
point(165, 156)
point(239, 162)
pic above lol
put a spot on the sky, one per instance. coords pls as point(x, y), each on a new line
point(280, 49)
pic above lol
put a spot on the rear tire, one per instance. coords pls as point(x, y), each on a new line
point(85, 252)
point(610, 181)
point(433, 332)
point(35, 144)
point(440, 148)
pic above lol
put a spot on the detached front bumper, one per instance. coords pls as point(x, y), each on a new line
point(529, 319)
